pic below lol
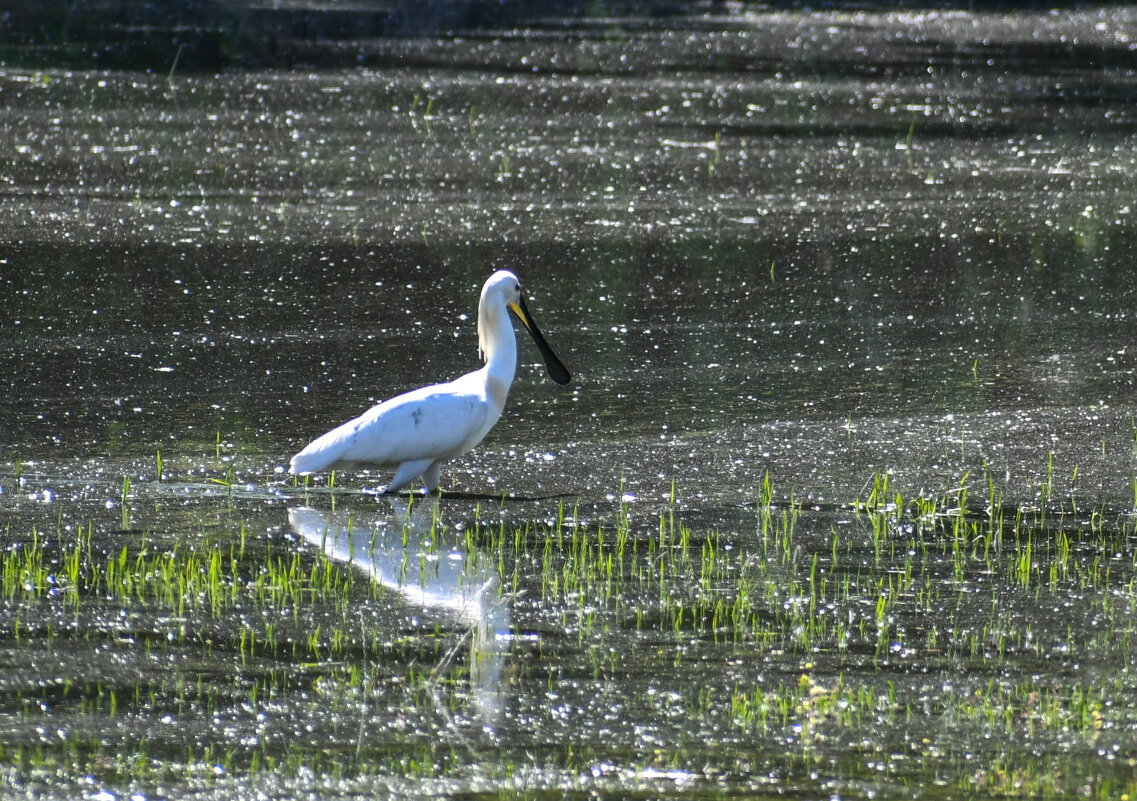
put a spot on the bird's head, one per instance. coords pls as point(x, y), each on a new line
point(501, 294)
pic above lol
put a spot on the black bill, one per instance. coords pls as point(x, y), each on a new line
point(557, 371)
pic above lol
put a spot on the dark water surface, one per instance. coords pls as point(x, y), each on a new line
point(831, 249)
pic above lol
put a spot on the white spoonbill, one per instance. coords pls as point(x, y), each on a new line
point(416, 432)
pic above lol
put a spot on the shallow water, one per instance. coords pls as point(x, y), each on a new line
point(824, 248)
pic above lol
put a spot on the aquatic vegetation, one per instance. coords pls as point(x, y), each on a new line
point(782, 630)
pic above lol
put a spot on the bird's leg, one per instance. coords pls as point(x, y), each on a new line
point(431, 477)
point(406, 474)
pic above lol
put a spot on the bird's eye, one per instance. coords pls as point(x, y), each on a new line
point(517, 288)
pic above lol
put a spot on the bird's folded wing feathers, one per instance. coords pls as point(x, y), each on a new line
point(431, 422)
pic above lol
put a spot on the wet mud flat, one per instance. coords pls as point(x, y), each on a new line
point(841, 499)
point(330, 643)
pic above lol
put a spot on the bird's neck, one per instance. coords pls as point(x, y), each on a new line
point(499, 346)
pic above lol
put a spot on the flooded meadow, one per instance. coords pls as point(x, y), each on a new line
point(840, 502)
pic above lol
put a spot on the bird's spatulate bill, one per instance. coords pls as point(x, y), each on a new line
point(557, 371)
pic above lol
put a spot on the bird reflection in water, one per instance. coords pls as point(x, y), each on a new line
point(442, 579)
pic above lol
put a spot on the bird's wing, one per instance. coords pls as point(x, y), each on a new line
point(433, 422)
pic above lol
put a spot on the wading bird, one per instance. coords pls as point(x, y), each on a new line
point(414, 433)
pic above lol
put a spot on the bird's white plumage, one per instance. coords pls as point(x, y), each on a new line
point(419, 430)
point(413, 426)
